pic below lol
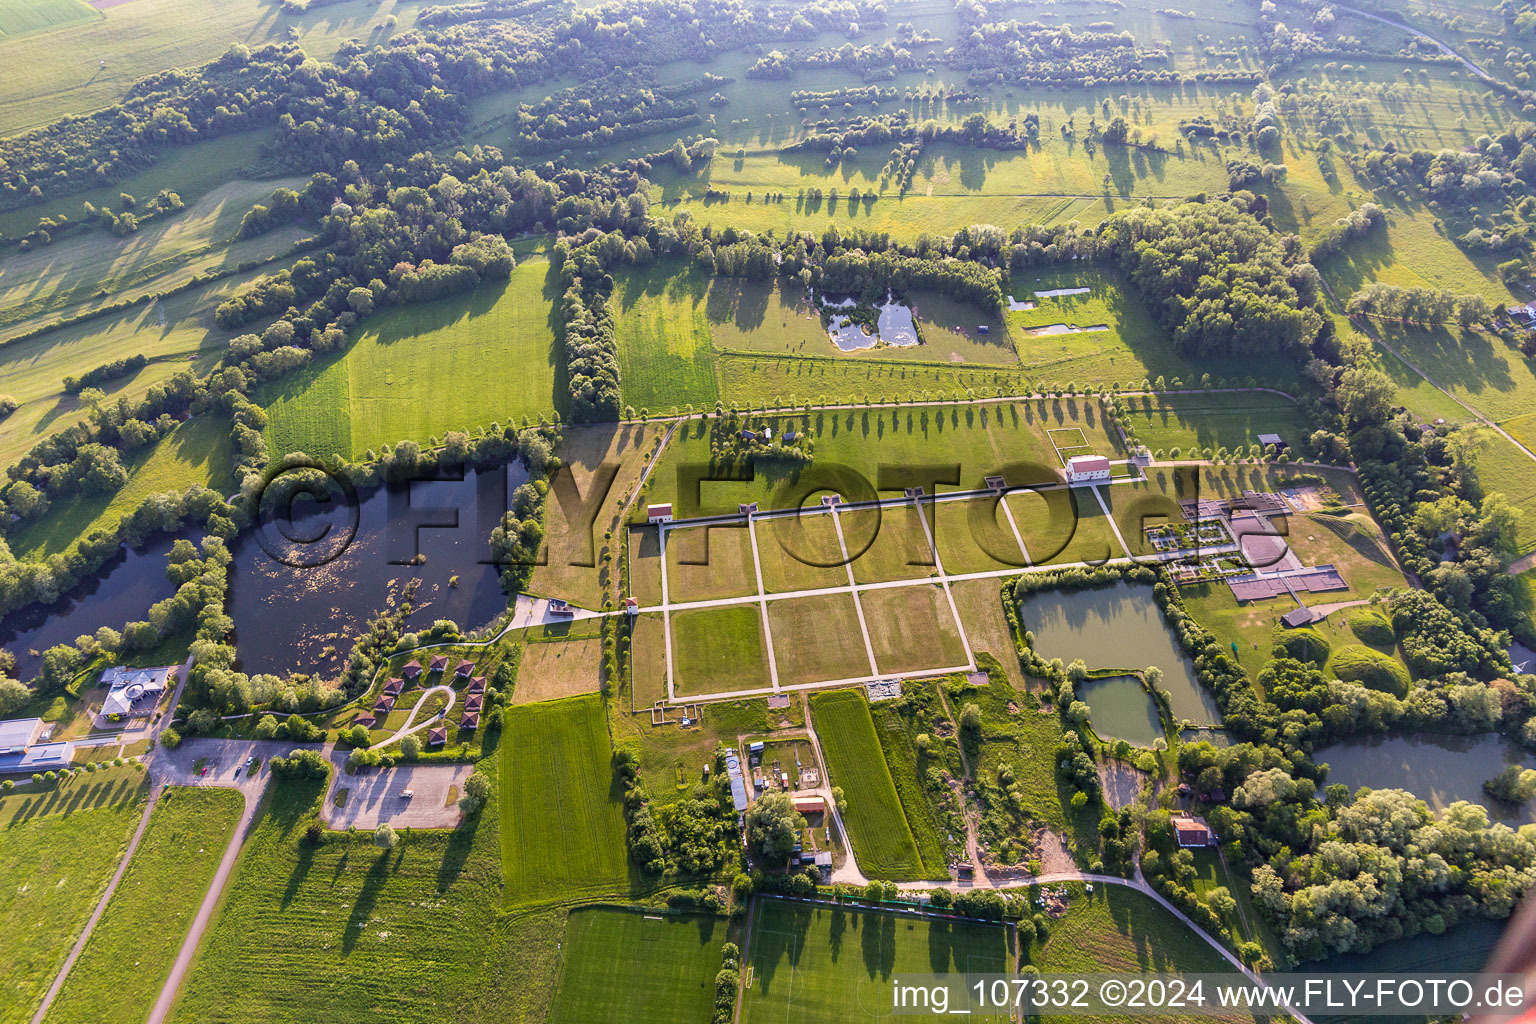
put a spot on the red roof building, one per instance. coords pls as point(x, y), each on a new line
point(412, 669)
point(476, 685)
point(470, 720)
point(464, 668)
point(438, 663)
point(384, 706)
point(393, 686)
point(1192, 833)
point(473, 703)
point(437, 737)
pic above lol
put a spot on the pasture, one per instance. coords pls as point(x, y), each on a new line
point(752, 379)
point(625, 967)
point(707, 563)
point(562, 826)
point(61, 845)
point(151, 909)
point(824, 963)
point(418, 371)
point(877, 824)
point(22, 17)
point(663, 333)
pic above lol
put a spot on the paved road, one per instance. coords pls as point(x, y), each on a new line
point(1441, 46)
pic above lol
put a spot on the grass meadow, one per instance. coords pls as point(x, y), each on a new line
point(1215, 420)
point(717, 650)
point(826, 963)
point(151, 909)
point(757, 379)
point(562, 822)
point(419, 371)
point(816, 639)
point(625, 967)
point(551, 669)
point(662, 330)
point(877, 824)
point(912, 629)
point(61, 844)
point(345, 929)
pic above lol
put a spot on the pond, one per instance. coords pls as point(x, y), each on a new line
point(304, 617)
point(1067, 329)
point(894, 326)
point(122, 592)
point(1118, 626)
point(1438, 769)
point(1122, 709)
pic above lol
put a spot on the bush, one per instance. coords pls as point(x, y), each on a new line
point(1305, 644)
point(1372, 627)
point(170, 739)
point(1357, 664)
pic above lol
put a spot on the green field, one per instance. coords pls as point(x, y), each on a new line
point(824, 963)
point(562, 822)
point(1218, 420)
point(816, 639)
point(624, 967)
point(882, 840)
point(421, 370)
point(708, 563)
point(884, 448)
point(60, 846)
point(147, 36)
point(663, 334)
point(151, 909)
point(344, 928)
point(20, 17)
point(756, 379)
point(717, 650)
point(912, 629)
point(198, 451)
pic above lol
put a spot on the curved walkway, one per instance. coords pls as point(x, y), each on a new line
point(408, 728)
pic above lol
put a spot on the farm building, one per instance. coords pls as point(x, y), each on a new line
point(1083, 469)
point(810, 803)
point(1192, 833)
point(658, 513)
point(134, 692)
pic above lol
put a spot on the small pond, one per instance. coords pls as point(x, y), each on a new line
point(1438, 769)
point(304, 618)
point(1122, 709)
point(122, 592)
point(1118, 626)
point(1067, 329)
point(893, 326)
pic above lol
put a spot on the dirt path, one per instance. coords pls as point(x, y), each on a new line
point(1443, 47)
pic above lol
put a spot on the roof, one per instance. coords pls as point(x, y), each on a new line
point(1274, 439)
point(1088, 463)
point(476, 685)
point(437, 737)
point(473, 703)
point(738, 786)
point(469, 720)
point(17, 734)
point(411, 668)
point(664, 509)
point(385, 705)
point(394, 685)
point(365, 720)
point(439, 662)
point(40, 758)
point(1297, 617)
point(809, 803)
point(464, 667)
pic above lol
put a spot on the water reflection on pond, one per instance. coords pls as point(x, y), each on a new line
point(305, 618)
point(1121, 709)
point(1118, 626)
point(1438, 769)
point(122, 592)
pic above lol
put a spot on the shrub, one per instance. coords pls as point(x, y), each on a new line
point(1305, 644)
point(170, 739)
point(1357, 664)
point(1372, 627)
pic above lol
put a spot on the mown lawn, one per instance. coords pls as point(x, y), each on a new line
point(58, 847)
point(817, 639)
point(150, 910)
point(418, 371)
point(912, 629)
point(756, 379)
point(1217, 420)
point(823, 963)
point(877, 824)
point(562, 826)
point(626, 967)
point(715, 650)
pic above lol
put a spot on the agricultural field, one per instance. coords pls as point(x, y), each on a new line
point(800, 553)
point(151, 908)
point(552, 669)
point(882, 839)
point(752, 379)
point(61, 845)
point(826, 963)
point(412, 932)
point(419, 371)
point(817, 639)
point(625, 967)
point(562, 827)
point(912, 629)
point(709, 563)
point(23, 17)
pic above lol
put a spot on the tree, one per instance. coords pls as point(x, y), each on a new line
point(13, 695)
point(1513, 785)
point(266, 728)
point(773, 824)
point(1220, 901)
point(477, 790)
point(970, 718)
point(410, 748)
point(170, 739)
point(839, 799)
point(358, 736)
point(384, 837)
point(1365, 394)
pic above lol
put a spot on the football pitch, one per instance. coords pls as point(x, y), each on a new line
point(814, 962)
